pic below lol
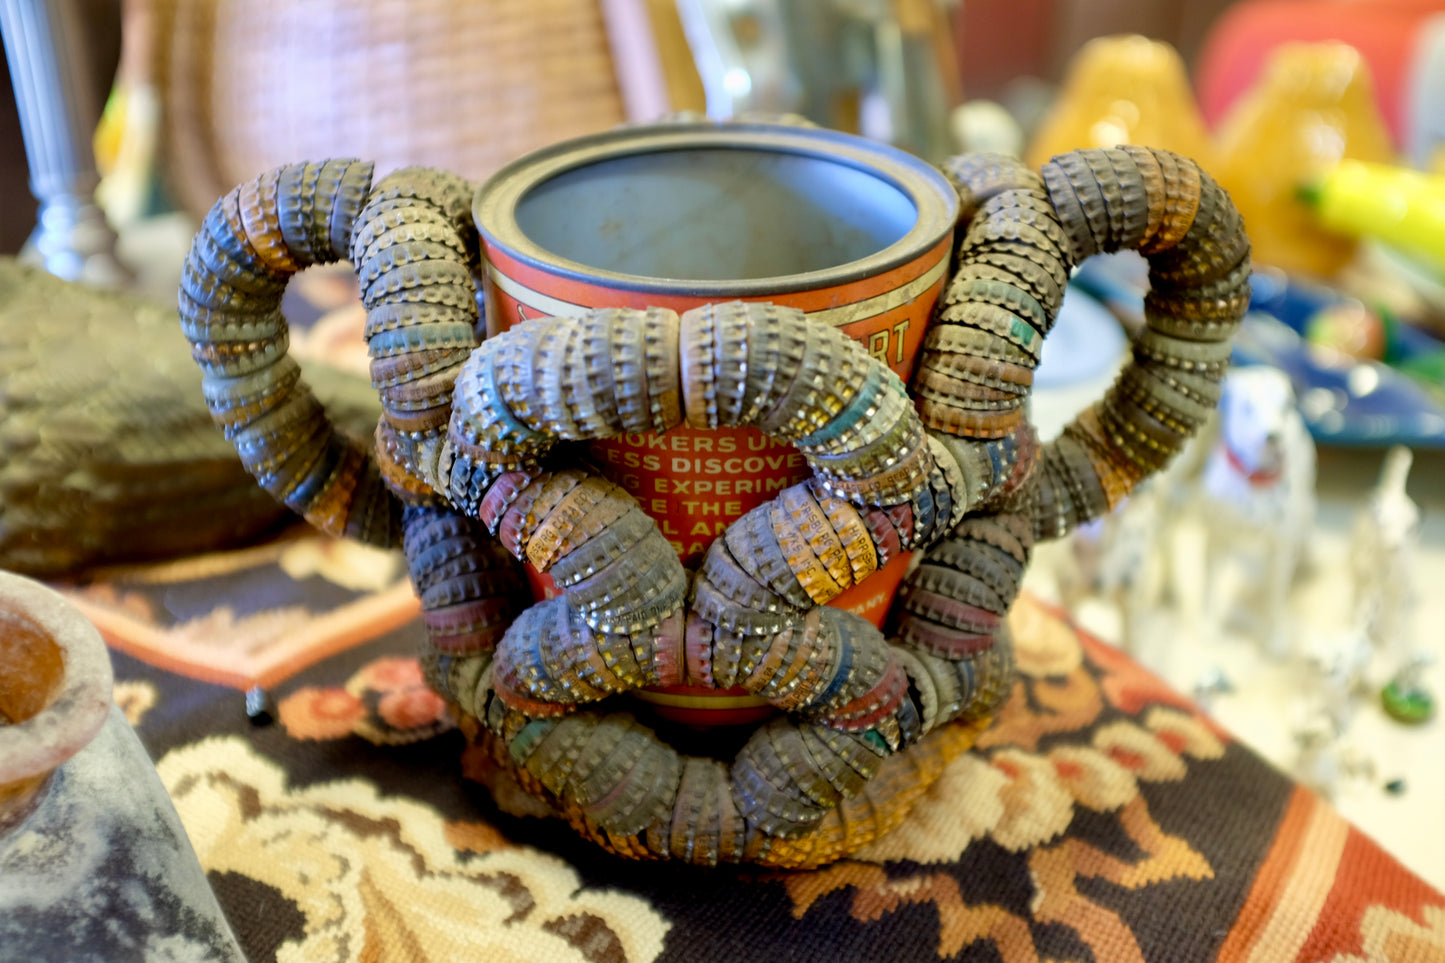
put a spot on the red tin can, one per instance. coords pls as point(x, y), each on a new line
point(854, 233)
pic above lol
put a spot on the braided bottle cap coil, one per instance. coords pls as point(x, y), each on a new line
point(465, 473)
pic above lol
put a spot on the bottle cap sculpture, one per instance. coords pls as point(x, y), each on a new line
point(471, 471)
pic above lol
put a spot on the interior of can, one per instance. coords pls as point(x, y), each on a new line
point(715, 214)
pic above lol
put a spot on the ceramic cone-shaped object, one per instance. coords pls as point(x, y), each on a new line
point(94, 862)
point(1313, 107)
point(1124, 90)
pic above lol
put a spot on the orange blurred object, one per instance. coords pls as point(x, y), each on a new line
point(1393, 36)
point(1124, 90)
point(1313, 107)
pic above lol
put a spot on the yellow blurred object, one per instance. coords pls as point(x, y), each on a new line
point(1124, 90)
point(125, 150)
point(1402, 207)
point(109, 131)
point(1313, 107)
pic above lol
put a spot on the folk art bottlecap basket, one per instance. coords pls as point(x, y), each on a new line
point(747, 417)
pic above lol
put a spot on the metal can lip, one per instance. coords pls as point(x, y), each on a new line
point(934, 200)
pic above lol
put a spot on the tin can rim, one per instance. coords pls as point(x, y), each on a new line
point(494, 206)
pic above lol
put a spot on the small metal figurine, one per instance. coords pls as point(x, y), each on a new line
point(1120, 558)
point(1382, 557)
point(1339, 665)
point(1323, 762)
point(1335, 670)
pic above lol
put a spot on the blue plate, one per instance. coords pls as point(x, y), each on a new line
point(1344, 401)
point(1085, 343)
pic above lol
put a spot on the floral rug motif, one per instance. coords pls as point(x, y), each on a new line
point(378, 878)
point(1104, 817)
point(386, 703)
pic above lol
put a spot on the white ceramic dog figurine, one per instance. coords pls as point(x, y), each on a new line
point(1250, 486)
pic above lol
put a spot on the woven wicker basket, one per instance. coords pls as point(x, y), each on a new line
point(461, 85)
